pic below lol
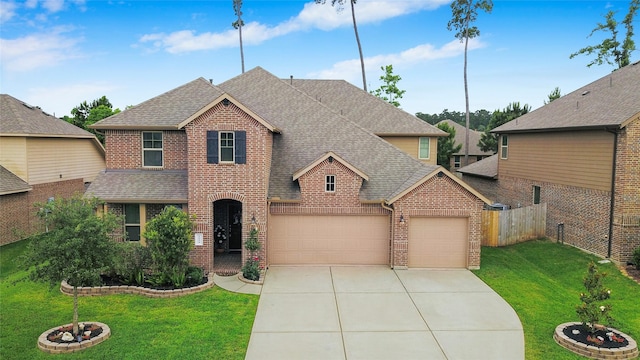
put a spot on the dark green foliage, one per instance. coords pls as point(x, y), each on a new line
point(195, 275)
point(169, 237)
point(611, 47)
point(555, 94)
point(636, 258)
point(86, 114)
point(132, 260)
point(389, 91)
point(478, 119)
point(592, 310)
point(251, 267)
point(447, 145)
point(488, 140)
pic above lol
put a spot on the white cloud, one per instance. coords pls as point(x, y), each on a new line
point(350, 69)
point(7, 10)
point(313, 16)
point(61, 99)
point(38, 50)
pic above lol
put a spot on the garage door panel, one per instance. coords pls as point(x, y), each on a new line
point(438, 242)
point(309, 239)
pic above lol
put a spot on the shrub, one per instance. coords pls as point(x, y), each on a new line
point(195, 275)
point(636, 258)
point(169, 237)
point(592, 310)
point(251, 268)
point(131, 262)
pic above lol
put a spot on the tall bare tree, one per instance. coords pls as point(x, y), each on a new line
point(238, 24)
point(355, 29)
point(611, 47)
point(464, 13)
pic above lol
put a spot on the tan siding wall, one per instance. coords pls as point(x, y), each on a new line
point(13, 155)
point(581, 159)
point(409, 145)
point(62, 159)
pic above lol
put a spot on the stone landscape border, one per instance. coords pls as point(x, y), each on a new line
point(67, 289)
point(61, 348)
point(628, 352)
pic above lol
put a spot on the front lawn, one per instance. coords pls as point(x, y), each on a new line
point(542, 281)
point(213, 324)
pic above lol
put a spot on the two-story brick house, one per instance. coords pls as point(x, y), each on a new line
point(580, 154)
point(321, 187)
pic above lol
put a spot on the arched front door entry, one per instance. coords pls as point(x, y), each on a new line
point(227, 225)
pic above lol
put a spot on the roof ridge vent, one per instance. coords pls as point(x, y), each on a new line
point(586, 92)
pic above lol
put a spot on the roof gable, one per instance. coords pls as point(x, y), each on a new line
point(487, 167)
point(331, 156)
point(166, 111)
point(474, 139)
point(10, 183)
point(611, 101)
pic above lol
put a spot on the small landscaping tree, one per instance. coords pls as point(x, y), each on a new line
point(251, 268)
point(636, 258)
point(76, 246)
point(169, 237)
point(593, 311)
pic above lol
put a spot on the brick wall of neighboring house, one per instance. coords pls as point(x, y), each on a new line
point(19, 220)
point(438, 197)
point(626, 219)
point(124, 149)
point(584, 212)
point(484, 186)
point(246, 183)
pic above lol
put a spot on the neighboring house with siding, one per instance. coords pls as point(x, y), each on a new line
point(41, 157)
point(282, 155)
point(475, 153)
point(580, 154)
point(482, 175)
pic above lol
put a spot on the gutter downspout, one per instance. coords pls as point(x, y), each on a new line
point(615, 133)
point(393, 231)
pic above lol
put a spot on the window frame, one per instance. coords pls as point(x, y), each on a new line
point(504, 147)
point(132, 224)
point(154, 149)
point(457, 161)
point(537, 196)
point(428, 148)
point(330, 183)
point(232, 147)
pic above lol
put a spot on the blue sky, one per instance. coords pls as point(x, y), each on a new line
point(56, 54)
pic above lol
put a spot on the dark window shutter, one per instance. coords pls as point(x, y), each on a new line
point(212, 147)
point(241, 147)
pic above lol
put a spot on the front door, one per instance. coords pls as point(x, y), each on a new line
point(235, 226)
point(227, 224)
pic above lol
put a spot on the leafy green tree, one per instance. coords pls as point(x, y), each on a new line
point(76, 247)
point(389, 92)
point(355, 29)
point(592, 310)
point(238, 24)
point(555, 94)
point(169, 237)
point(87, 114)
point(489, 141)
point(478, 120)
point(447, 145)
point(611, 46)
point(464, 13)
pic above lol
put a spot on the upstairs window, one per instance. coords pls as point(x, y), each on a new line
point(456, 161)
point(226, 147)
point(152, 148)
point(504, 147)
point(423, 150)
point(330, 183)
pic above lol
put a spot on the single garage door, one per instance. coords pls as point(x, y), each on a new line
point(343, 240)
point(438, 242)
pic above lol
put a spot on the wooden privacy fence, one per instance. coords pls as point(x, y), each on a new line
point(506, 227)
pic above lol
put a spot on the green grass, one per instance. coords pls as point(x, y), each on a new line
point(213, 324)
point(542, 281)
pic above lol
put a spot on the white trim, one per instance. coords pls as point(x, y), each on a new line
point(428, 147)
point(233, 147)
point(152, 149)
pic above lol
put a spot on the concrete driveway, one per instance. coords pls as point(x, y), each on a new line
point(370, 312)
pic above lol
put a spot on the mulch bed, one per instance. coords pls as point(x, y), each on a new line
point(582, 337)
point(56, 335)
point(111, 281)
point(632, 272)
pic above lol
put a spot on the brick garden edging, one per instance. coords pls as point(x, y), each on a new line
point(67, 289)
point(628, 352)
point(60, 348)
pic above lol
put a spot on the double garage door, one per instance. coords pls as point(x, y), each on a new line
point(364, 240)
point(340, 240)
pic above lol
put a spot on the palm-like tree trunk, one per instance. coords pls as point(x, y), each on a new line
point(355, 28)
point(466, 88)
point(241, 49)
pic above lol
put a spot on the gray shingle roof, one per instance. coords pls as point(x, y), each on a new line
point(487, 167)
point(365, 109)
point(10, 183)
point(20, 118)
point(608, 101)
point(474, 138)
point(311, 128)
point(165, 111)
point(149, 186)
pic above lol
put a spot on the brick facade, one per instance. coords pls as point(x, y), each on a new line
point(125, 149)
point(19, 218)
point(437, 197)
